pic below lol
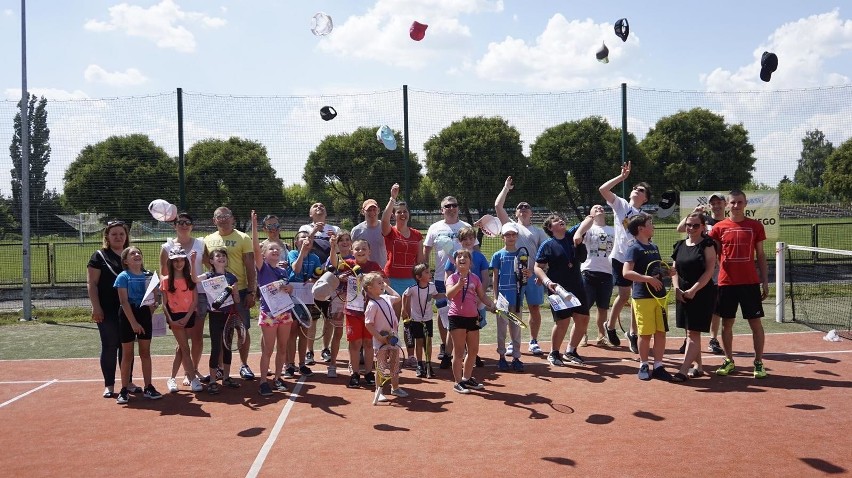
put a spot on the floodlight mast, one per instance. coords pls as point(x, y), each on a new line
point(25, 173)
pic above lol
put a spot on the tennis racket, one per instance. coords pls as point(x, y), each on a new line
point(521, 264)
point(386, 364)
point(511, 317)
point(310, 317)
point(663, 272)
point(234, 328)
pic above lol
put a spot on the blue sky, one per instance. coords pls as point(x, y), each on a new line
point(104, 49)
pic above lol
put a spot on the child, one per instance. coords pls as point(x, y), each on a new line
point(382, 323)
point(341, 249)
point(463, 290)
point(179, 304)
point(356, 331)
point(275, 328)
point(303, 265)
point(219, 262)
point(417, 307)
point(649, 314)
point(504, 267)
point(134, 321)
point(479, 266)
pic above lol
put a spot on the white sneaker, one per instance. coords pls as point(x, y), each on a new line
point(171, 384)
point(509, 350)
point(534, 348)
point(332, 372)
point(196, 385)
point(186, 382)
point(399, 393)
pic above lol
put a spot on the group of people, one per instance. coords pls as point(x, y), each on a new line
point(382, 278)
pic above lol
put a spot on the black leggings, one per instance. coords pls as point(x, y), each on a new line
point(217, 326)
point(110, 348)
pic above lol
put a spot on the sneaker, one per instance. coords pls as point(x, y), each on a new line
point(186, 380)
point(220, 374)
point(479, 363)
point(695, 372)
point(123, 396)
point(171, 384)
point(290, 371)
point(279, 385)
point(245, 372)
point(410, 362)
point(601, 341)
point(472, 384)
point(354, 381)
point(109, 392)
point(326, 355)
point(634, 342)
point(398, 392)
point(230, 382)
point(613, 337)
point(264, 389)
point(331, 372)
point(446, 362)
point(682, 348)
point(554, 359)
point(133, 388)
point(644, 372)
point(510, 350)
point(305, 371)
point(270, 373)
point(151, 393)
point(370, 378)
point(461, 388)
point(534, 348)
point(585, 341)
point(574, 358)
point(213, 388)
point(660, 373)
point(204, 379)
point(502, 364)
point(442, 352)
point(726, 368)
point(759, 370)
point(715, 347)
point(309, 358)
point(196, 385)
point(421, 370)
point(517, 365)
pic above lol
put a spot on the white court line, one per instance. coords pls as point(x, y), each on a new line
point(276, 430)
point(27, 393)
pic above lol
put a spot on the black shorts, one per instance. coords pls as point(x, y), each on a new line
point(746, 296)
point(618, 274)
point(696, 314)
point(420, 330)
point(598, 287)
point(467, 323)
point(143, 316)
point(180, 315)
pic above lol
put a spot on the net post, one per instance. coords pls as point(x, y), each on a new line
point(779, 281)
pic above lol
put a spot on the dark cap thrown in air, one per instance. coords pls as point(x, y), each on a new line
point(327, 113)
point(622, 29)
point(768, 64)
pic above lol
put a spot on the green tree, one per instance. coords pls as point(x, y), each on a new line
point(696, 150)
point(8, 223)
point(574, 158)
point(236, 173)
point(119, 176)
point(470, 159)
point(815, 151)
point(297, 201)
point(39, 151)
point(838, 171)
point(351, 167)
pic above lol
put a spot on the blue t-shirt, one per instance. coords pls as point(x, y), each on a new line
point(641, 255)
point(136, 284)
point(507, 277)
point(479, 264)
point(309, 265)
point(562, 262)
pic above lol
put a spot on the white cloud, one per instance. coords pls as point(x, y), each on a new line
point(561, 58)
point(381, 34)
point(164, 23)
point(8, 12)
point(128, 77)
point(803, 47)
point(49, 93)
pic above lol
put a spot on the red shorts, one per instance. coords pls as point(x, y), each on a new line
point(355, 329)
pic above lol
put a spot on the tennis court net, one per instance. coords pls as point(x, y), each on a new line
point(818, 283)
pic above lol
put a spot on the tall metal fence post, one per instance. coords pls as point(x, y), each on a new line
point(779, 282)
point(623, 134)
point(181, 176)
point(406, 193)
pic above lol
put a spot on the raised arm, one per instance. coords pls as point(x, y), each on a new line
point(606, 188)
point(499, 203)
point(581, 231)
point(388, 212)
point(681, 226)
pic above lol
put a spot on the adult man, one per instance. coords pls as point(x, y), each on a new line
point(530, 237)
point(241, 264)
point(741, 240)
point(322, 245)
point(447, 229)
point(370, 230)
point(597, 268)
point(623, 211)
point(717, 214)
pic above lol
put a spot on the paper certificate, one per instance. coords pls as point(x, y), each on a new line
point(276, 299)
point(153, 284)
point(557, 303)
point(354, 297)
point(303, 291)
point(213, 288)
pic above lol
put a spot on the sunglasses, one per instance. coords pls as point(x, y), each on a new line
point(450, 206)
point(272, 225)
point(524, 206)
point(115, 223)
point(640, 189)
point(223, 216)
point(692, 226)
point(183, 222)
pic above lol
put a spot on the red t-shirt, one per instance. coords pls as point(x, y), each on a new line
point(736, 259)
point(366, 267)
point(402, 253)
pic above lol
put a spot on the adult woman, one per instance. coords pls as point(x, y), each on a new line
point(694, 262)
point(184, 240)
point(102, 269)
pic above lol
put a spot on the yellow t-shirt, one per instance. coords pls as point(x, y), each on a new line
point(236, 243)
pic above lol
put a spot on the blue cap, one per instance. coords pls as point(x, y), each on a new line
point(385, 135)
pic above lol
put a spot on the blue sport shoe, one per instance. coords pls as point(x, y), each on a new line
point(503, 365)
point(517, 365)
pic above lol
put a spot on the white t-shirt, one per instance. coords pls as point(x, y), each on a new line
point(380, 313)
point(324, 234)
point(599, 241)
point(441, 228)
point(623, 211)
point(530, 237)
point(421, 300)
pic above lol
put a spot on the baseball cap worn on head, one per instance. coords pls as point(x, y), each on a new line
point(717, 196)
point(509, 227)
point(177, 253)
point(368, 203)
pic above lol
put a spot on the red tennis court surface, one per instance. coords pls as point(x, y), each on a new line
point(597, 420)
